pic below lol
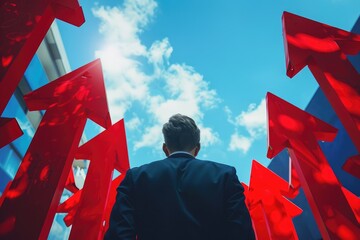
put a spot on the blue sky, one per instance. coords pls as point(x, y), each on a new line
point(213, 60)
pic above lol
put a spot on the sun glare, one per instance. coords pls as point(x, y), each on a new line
point(109, 58)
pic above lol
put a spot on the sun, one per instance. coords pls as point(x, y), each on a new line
point(111, 59)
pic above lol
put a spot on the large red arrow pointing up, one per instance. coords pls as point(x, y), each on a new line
point(270, 211)
point(31, 201)
point(323, 48)
point(290, 127)
point(106, 151)
point(23, 27)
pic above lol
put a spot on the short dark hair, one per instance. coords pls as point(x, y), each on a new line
point(181, 133)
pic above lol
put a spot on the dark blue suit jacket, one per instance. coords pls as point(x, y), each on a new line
point(182, 198)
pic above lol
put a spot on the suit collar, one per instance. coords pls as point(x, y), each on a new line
point(181, 155)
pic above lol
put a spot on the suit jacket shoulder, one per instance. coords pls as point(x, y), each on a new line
point(182, 198)
point(181, 164)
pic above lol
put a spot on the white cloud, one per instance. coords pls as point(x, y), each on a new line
point(253, 121)
point(133, 123)
point(208, 136)
point(229, 115)
point(185, 87)
point(121, 26)
point(238, 142)
point(152, 137)
point(159, 52)
point(162, 90)
point(183, 81)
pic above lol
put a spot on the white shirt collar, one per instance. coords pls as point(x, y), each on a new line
point(181, 152)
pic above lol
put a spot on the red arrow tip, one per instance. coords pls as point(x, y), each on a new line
point(110, 145)
point(69, 11)
point(286, 121)
point(304, 38)
point(83, 87)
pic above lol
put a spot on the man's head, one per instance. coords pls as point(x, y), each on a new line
point(181, 134)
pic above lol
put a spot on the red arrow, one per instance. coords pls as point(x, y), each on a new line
point(290, 127)
point(70, 182)
point(23, 27)
point(111, 200)
point(70, 206)
point(105, 152)
point(323, 48)
point(354, 202)
point(271, 212)
point(9, 131)
point(34, 194)
point(352, 165)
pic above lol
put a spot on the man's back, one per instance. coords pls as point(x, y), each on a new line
point(181, 198)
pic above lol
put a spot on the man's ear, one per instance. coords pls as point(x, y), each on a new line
point(165, 150)
point(197, 149)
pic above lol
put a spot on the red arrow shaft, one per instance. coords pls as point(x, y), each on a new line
point(16, 56)
point(111, 200)
point(340, 82)
point(330, 207)
point(23, 26)
point(21, 52)
point(89, 217)
point(279, 222)
point(261, 227)
point(30, 203)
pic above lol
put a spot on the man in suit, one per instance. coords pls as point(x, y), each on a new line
point(180, 197)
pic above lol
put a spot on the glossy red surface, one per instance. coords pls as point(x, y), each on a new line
point(331, 209)
point(34, 194)
point(323, 49)
point(352, 165)
point(270, 211)
point(106, 151)
point(23, 26)
point(9, 130)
